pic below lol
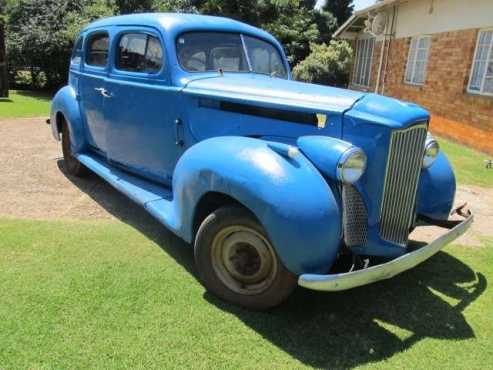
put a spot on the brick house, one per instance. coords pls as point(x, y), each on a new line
point(438, 53)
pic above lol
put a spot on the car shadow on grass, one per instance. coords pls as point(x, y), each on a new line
point(335, 330)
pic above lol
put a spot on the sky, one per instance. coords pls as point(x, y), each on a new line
point(358, 4)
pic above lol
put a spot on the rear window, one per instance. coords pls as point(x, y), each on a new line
point(139, 52)
point(97, 49)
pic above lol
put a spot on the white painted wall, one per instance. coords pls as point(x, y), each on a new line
point(417, 17)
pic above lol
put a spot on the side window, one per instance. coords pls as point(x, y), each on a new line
point(97, 50)
point(264, 57)
point(139, 52)
point(77, 52)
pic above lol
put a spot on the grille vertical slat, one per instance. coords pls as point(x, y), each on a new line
point(401, 183)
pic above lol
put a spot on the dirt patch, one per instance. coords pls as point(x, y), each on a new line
point(480, 201)
point(33, 185)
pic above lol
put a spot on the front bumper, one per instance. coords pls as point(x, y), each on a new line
point(348, 280)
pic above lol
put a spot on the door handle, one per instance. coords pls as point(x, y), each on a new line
point(105, 93)
point(178, 132)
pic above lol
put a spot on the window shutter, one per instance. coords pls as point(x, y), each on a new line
point(410, 60)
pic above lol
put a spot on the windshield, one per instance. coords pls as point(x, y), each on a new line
point(231, 52)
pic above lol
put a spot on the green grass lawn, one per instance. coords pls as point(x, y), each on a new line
point(468, 164)
point(25, 104)
point(108, 295)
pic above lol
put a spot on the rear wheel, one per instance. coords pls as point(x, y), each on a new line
point(71, 164)
point(236, 260)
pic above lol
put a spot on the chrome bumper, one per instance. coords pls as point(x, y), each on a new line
point(348, 280)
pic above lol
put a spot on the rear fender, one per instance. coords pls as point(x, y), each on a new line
point(65, 103)
point(287, 195)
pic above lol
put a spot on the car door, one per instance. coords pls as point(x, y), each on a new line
point(91, 88)
point(143, 107)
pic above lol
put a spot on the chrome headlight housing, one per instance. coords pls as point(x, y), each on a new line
point(352, 165)
point(431, 151)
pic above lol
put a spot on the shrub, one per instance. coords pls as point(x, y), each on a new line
point(327, 64)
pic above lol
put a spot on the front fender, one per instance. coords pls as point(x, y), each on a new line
point(65, 102)
point(436, 191)
point(288, 196)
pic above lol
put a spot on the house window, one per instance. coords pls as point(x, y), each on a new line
point(417, 60)
point(362, 65)
point(481, 80)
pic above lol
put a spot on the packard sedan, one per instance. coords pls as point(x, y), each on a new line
point(276, 183)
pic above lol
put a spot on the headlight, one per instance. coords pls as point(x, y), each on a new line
point(431, 151)
point(351, 165)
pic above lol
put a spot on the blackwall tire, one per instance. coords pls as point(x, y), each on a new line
point(70, 163)
point(237, 262)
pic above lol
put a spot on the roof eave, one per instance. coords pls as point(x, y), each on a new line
point(363, 13)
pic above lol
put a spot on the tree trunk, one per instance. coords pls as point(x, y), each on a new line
point(4, 80)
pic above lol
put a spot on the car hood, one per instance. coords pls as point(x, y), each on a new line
point(269, 91)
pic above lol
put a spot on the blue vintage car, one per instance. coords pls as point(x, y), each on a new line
point(276, 183)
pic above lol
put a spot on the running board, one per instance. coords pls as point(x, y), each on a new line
point(156, 199)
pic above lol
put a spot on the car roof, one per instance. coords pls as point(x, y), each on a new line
point(177, 23)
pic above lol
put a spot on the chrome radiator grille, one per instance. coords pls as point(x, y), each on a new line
point(401, 181)
point(354, 217)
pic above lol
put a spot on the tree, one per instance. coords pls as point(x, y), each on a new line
point(183, 6)
point(327, 64)
point(4, 90)
point(143, 6)
point(341, 9)
point(295, 23)
point(40, 35)
point(134, 6)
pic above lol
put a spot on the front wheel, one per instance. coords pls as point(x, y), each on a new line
point(237, 262)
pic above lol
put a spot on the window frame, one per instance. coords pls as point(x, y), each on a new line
point(87, 43)
point(78, 52)
point(489, 57)
point(414, 61)
point(357, 63)
point(116, 53)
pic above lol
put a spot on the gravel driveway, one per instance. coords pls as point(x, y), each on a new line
point(33, 185)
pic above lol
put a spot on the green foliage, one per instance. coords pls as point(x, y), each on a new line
point(91, 11)
point(327, 64)
point(134, 6)
point(137, 6)
point(182, 6)
point(40, 35)
point(294, 22)
point(341, 9)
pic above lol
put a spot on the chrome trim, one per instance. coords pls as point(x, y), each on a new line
point(344, 157)
point(404, 163)
point(348, 280)
point(430, 141)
